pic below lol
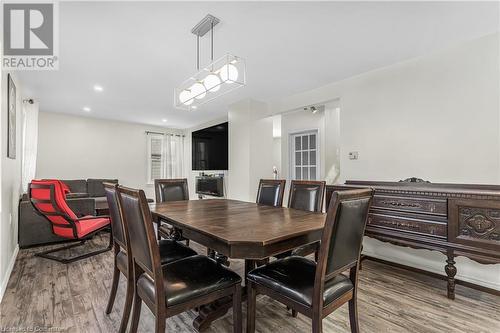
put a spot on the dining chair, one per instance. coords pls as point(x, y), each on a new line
point(178, 286)
point(169, 252)
point(316, 289)
point(171, 190)
point(270, 192)
point(330, 189)
point(305, 195)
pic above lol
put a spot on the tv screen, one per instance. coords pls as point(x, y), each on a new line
point(210, 148)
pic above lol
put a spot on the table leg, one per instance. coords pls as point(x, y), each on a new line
point(249, 265)
point(213, 311)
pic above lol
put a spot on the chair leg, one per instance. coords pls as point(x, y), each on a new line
point(317, 325)
point(136, 313)
point(237, 322)
point(353, 302)
point(160, 323)
point(294, 313)
point(353, 315)
point(251, 300)
point(114, 285)
point(128, 305)
point(187, 242)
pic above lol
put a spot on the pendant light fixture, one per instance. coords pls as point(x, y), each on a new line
point(215, 79)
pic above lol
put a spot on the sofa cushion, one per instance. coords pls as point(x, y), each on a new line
point(76, 185)
point(96, 188)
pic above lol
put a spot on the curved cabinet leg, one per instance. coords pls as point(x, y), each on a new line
point(451, 271)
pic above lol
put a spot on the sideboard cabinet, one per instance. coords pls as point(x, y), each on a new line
point(455, 219)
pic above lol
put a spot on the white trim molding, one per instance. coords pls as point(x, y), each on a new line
point(6, 277)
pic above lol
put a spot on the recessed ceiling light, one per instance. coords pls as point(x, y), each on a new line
point(194, 107)
point(164, 120)
point(98, 88)
point(86, 109)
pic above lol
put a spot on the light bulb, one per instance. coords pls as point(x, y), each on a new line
point(228, 73)
point(198, 90)
point(185, 97)
point(212, 83)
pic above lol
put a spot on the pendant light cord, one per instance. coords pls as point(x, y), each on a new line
point(197, 52)
point(212, 42)
point(211, 46)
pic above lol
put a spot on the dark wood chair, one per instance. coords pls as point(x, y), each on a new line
point(179, 286)
point(171, 190)
point(270, 192)
point(317, 289)
point(169, 252)
point(305, 195)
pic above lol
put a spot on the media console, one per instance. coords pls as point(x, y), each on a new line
point(455, 219)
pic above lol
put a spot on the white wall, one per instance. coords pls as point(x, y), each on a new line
point(250, 148)
point(332, 142)
point(442, 108)
point(71, 147)
point(435, 117)
point(10, 185)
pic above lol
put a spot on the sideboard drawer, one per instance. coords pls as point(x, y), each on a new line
point(411, 204)
point(408, 224)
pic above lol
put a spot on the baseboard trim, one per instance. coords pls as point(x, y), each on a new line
point(433, 274)
point(6, 277)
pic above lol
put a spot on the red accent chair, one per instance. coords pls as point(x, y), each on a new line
point(48, 197)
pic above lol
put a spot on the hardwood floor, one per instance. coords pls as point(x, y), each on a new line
point(72, 298)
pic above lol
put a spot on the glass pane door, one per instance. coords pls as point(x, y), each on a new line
point(304, 155)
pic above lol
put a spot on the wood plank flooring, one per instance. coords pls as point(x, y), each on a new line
point(72, 298)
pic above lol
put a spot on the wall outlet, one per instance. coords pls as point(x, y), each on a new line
point(353, 155)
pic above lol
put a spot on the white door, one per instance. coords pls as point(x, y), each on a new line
point(304, 155)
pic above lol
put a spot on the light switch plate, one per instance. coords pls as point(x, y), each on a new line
point(353, 155)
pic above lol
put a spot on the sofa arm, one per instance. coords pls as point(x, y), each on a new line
point(82, 206)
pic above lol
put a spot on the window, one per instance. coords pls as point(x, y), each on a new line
point(304, 155)
point(165, 156)
point(156, 157)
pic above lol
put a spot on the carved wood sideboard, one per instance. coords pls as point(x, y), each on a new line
point(455, 219)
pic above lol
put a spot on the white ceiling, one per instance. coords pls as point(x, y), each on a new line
point(140, 51)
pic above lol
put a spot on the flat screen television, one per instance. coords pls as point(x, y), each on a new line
point(210, 148)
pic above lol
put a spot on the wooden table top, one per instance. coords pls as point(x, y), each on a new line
point(235, 223)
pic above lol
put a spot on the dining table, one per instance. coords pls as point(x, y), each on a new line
point(238, 230)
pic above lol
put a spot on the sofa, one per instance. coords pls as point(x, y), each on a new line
point(86, 197)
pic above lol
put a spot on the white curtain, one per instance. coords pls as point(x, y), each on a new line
point(174, 156)
point(30, 140)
